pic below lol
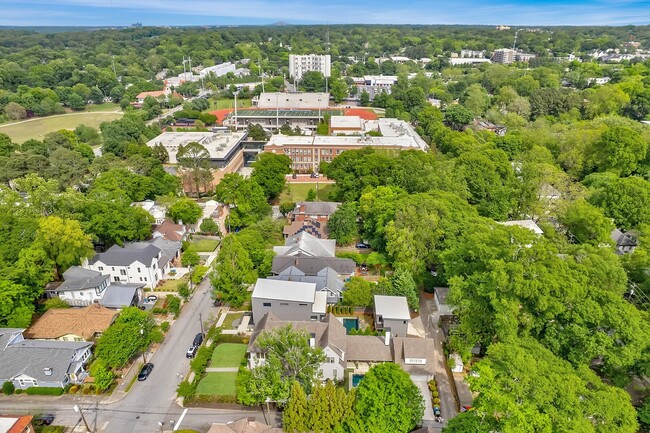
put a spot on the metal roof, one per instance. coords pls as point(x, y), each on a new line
point(392, 307)
point(284, 290)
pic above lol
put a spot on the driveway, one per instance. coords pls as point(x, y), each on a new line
point(423, 385)
point(429, 315)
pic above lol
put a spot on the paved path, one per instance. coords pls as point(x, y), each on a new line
point(221, 370)
point(429, 315)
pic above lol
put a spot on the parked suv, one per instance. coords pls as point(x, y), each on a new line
point(198, 339)
point(191, 352)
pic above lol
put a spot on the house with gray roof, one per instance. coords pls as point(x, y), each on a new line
point(327, 280)
point(392, 314)
point(46, 363)
point(313, 265)
point(137, 262)
point(306, 245)
point(625, 243)
point(314, 210)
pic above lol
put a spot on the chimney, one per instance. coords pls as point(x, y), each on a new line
point(387, 337)
point(312, 340)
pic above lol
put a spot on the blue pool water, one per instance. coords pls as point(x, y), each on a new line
point(350, 324)
point(356, 378)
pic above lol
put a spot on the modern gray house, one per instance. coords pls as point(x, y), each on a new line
point(392, 313)
point(288, 300)
point(313, 265)
point(327, 280)
point(43, 363)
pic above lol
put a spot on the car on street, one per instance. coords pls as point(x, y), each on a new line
point(145, 372)
point(45, 419)
point(315, 176)
point(362, 246)
point(198, 339)
point(191, 352)
point(152, 298)
point(436, 410)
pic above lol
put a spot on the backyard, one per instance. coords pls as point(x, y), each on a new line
point(228, 355)
point(230, 318)
point(205, 245)
point(37, 128)
point(298, 191)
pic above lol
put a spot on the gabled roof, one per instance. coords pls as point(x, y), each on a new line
point(392, 307)
point(623, 239)
point(32, 357)
point(125, 256)
point(367, 348)
point(315, 228)
point(168, 248)
point(284, 290)
point(306, 244)
point(84, 322)
point(170, 231)
point(14, 424)
point(78, 278)
point(327, 278)
point(313, 265)
point(119, 295)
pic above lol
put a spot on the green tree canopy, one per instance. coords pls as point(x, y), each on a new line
point(233, 272)
point(186, 210)
point(343, 224)
point(269, 171)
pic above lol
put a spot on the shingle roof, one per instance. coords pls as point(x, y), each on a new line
point(168, 249)
point(622, 239)
point(31, 357)
point(392, 307)
point(125, 256)
point(170, 231)
point(410, 347)
point(314, 228)
point(304, 243)
point(84, 322)
point(326, 278)
point(313, 265)
point(367, 348)
point(78, 278)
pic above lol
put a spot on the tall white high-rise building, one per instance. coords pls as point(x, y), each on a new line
point(298, 65)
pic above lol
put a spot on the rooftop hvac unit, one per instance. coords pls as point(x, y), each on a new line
point(47, 371)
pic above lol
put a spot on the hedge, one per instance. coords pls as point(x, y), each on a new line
point(8, 388)
point(43, 390)
point(213, 399)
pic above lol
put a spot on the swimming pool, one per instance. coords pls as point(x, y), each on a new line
point(356, 378)
point(350, 324)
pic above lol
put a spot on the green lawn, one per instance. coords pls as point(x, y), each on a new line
point(106, 106)
point(205, 245)
point(298, 191)
point(231, 317)
point(217, 384)
point(230, 103)
point(37, 128)
point(228, 355)
point(171, 285)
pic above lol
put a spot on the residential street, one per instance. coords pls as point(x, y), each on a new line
point(429, 315)
point(148, 402)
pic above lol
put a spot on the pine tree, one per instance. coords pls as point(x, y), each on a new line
point(295, 416)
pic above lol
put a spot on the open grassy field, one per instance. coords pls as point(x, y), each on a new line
point(298, 191)
point(37, 128)
point(217, 384)
point(205, 245)
point(228, 355)
point(106, 106)
point(230, 103)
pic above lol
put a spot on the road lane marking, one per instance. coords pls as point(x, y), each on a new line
point(104, 426)
point(180, 420)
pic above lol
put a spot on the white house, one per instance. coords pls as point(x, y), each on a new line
point(218, 70)
point(155, 210)
point(137, 262)
point(307, 245)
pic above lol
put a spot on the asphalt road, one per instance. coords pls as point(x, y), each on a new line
point(149, 402)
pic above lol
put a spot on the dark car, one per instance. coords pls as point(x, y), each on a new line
point(45, 419)
point(436, 410)
point(145, 372)
point(191, 352)
point(217, 302)
point(294, 176)
point(314, 175)
point(198, 339)
point(362, 246)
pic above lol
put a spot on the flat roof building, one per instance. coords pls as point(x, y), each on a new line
point(223, 146)
point(288, 300)
point(218, 70)
point(293, 100)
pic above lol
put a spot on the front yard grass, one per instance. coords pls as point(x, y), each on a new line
point(217, 384)
point(171, 285)
point(205, 245)
point(228, 355)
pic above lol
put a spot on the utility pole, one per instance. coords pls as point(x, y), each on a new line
point(78, 410)
point(201, 322)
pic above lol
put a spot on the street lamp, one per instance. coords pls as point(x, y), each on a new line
point(201, 322)
point(79, 411)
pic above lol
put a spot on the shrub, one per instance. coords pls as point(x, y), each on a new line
point(8, 388)
point(18, 391)
point(436, 401)
point(164, 326)
point(53, 429)
point(159, 310)
point(85, 390)
point(199, 363)
point(173, 304)
point(185, 389)
point(73, 389)
point(44, 390)
point(435, 394)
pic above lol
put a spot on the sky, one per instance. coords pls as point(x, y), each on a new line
point(260, 12)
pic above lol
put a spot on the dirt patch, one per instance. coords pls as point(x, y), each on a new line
point(361, 112)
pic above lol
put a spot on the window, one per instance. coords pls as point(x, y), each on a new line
point(331, 360)
point(145, 278)
point(302, 305)
point(122, 271)
point(113, 268)
point(139, 270)
point(116, 278)
point(101, 268)
point(140, 278)
point(266, 304)
point(335, 374)
point(284, 303)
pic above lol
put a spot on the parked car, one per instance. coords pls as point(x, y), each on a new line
point(315, 175)
point(294, 176)
point(436, 410)
point(362, 246)
point(217, 302)
point(191, 352)
point(198, 339)
point(145, 372)
point(152, 298)
point(45, 419)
